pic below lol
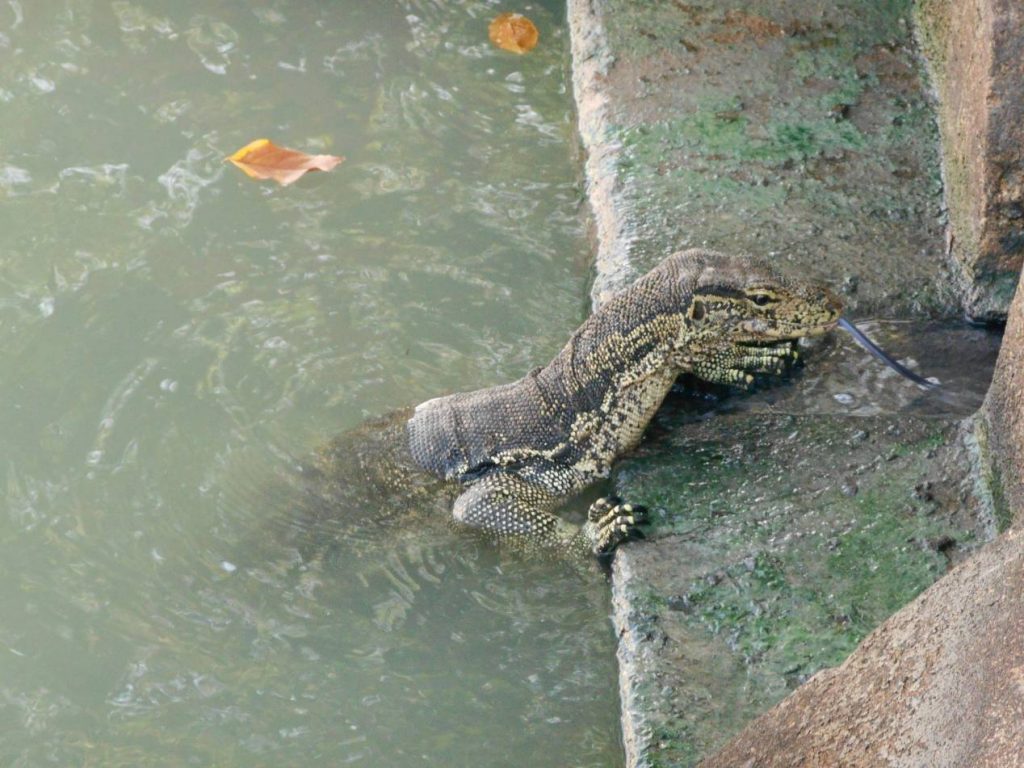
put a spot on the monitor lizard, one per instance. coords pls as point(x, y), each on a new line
point(504, 458)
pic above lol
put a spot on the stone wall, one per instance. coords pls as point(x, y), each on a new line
point(1002, 421)
point(976, 52)
point(940, 683)
point(802, 130)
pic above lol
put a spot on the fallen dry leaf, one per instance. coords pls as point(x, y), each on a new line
point(262, 159)
point(513, 32)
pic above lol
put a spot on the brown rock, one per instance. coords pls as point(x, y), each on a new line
point(940, 684)
point(976, 52)
point(1003, 419)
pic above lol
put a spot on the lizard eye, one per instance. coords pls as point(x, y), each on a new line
point(761, 299)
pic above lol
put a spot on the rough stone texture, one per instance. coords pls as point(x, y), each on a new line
point(940, 684)
point(1003, 420)
point(798, 129)
point(976, 51)
point(778, 544)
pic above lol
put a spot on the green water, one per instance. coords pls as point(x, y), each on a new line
point(174, 334)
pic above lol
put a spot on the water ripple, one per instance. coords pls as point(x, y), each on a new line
point(181, 339)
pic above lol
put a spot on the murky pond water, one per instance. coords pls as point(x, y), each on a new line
point(174, 333)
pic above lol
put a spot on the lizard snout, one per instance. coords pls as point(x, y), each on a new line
point(833, 304)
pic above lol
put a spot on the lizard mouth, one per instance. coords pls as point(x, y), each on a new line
point(813, 317)
point(817, 330)
point(782, 336)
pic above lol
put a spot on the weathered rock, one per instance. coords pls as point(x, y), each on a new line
point(1002, 421)
point(976, 51)
point(938, 685)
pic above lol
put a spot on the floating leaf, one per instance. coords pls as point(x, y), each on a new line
point(262, 159)
point(513, 32)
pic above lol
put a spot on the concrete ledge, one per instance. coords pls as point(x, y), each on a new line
point(779, 542)
point(591, 60)
point(799, 129)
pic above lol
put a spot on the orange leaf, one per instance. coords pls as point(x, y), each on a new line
point(262, 159)
point(513, 32)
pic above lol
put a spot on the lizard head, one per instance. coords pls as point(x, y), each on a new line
point(743, 300)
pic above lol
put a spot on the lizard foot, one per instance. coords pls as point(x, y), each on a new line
point(611, 522)
point(741, 365)
point(772, 358)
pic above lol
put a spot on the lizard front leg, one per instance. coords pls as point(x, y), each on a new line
point(736, 364)
point(510, 507)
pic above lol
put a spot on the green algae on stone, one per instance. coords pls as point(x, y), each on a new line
point(780, 542)
point(800, 130)
point(836, 560)
point(990, 476)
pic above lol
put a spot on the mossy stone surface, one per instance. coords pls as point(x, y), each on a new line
point(780, 542)
point(790, 523)
point(800, 130)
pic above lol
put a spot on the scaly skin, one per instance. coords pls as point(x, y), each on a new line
point(512, 454)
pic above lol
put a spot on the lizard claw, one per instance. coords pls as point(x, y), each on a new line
point(600, 508)
point(740, 365)
point(611, 522)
